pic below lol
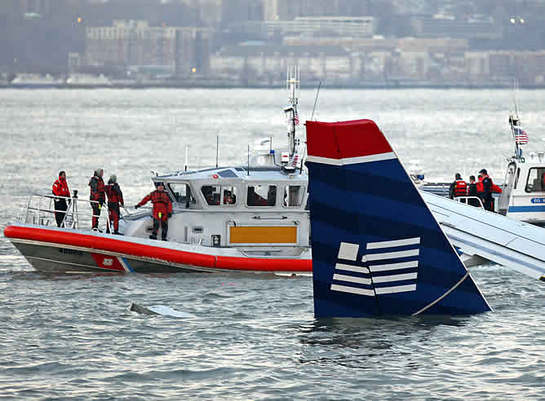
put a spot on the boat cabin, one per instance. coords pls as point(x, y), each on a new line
point(262, 209)
point(523, 196)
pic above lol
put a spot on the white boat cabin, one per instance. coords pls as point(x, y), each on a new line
point(523, 196)
point(261, 210)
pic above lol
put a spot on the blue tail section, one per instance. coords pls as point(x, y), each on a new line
point(376, 247)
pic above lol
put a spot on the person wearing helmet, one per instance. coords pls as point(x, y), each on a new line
point(162, 210)
point(115, 199)
point(61, 192)
point(97, 195)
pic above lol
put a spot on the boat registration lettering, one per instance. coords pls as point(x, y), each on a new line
point(537, 200)
point(107, 262)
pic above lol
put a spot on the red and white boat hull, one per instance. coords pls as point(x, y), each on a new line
point(51, 249)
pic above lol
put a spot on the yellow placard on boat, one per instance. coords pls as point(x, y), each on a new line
point(263, 235)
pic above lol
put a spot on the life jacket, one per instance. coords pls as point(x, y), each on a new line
point(460, 188)
point(160, 197)
point(114, 193)
point(97, 188)
point(60, 188)
point(480, 187)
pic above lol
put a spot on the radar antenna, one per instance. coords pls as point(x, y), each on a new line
point(292, 84)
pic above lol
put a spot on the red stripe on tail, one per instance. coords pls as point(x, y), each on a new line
point(346, 139)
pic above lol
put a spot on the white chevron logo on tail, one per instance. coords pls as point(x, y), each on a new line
point(377, 268)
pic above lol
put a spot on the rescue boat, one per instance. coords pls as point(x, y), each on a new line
point(249, 218)
point(523, 189)
point(523, 196)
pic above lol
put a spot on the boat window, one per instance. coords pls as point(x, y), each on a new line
point(216, 195)
point(212, 194)
point(536, 180)
point(261, 195)
point(182, 194)
point(293, 195)
point(228, 195)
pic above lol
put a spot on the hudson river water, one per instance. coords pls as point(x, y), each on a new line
point(251, 337)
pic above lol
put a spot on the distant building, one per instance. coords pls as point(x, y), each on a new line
point(284, 10)
point(324, 26)
point(235, 12)
point(184, 50)
point(266, 64)
point(439, 25)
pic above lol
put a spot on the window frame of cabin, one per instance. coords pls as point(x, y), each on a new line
point(302, 193)
point(192, 204)
point(253, 185)
point(222, 189)
point(539, 173)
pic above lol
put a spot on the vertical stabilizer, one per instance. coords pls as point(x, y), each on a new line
point(376, 248)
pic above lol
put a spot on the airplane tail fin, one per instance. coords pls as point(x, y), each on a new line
point(376, 247)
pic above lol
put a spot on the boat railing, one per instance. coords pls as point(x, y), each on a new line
point(40, 210)
point(466, 199)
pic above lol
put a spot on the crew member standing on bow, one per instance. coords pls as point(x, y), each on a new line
point(98, 195)
point(61, 191)
point(458, 187)
point(115, 198)
point(162, 210)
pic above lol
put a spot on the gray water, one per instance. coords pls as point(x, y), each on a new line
point(252, 337)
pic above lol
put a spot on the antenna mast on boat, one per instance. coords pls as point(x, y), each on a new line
point(514, 122)
point(292, 83)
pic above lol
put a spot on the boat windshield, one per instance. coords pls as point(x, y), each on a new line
point(182, 195)
point(536, 180)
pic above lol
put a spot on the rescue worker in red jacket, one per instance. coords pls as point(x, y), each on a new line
point(60, 189)
point(115, 198)
point(458, 187)
point(162, 210)
point(98, 195)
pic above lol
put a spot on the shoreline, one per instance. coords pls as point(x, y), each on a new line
point(308, 85)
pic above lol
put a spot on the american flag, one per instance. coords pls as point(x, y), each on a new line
point(521, 137)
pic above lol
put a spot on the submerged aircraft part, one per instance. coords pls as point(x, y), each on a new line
point(377, 249)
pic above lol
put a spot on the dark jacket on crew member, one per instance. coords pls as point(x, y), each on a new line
point(115, 198)
point(487, 184)
point(472, 191)
point(97, 194)
point(97, 188)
